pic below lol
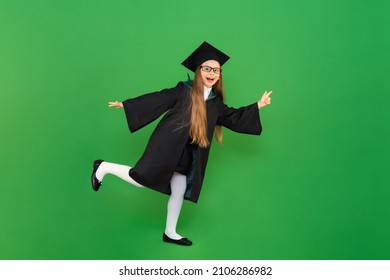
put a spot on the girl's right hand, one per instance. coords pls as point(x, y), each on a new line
point(115, 104)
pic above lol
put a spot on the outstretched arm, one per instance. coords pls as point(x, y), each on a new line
point(264, 100)
point(144, 109)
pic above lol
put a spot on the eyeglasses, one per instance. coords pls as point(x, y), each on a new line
point(208, 69)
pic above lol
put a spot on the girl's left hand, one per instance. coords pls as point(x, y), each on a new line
point(264, 100)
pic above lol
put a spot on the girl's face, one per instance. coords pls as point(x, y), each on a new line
point(208, 69)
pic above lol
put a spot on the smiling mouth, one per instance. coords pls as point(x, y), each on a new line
point(210, 79)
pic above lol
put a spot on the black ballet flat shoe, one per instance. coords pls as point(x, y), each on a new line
point(183, 241)
point(95, 182)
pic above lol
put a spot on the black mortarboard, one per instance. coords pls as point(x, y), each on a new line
point(203, 53)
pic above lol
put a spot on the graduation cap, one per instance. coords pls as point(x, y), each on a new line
point(203, 53)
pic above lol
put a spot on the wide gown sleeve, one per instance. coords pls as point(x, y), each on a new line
point(142, 110)
point(243, 120)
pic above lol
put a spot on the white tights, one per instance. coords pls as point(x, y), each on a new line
point(178, 188)
point(175, 202)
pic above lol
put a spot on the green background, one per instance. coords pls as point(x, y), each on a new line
point(315, 185)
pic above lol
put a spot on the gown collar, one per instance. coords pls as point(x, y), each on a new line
point(208, 92)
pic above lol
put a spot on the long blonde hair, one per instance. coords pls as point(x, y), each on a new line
point(198, 126)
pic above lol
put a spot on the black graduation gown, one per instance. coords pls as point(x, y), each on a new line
point(169, 139)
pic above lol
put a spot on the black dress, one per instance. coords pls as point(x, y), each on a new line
point(168, 149)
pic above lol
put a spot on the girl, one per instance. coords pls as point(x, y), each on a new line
point(175, 158)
